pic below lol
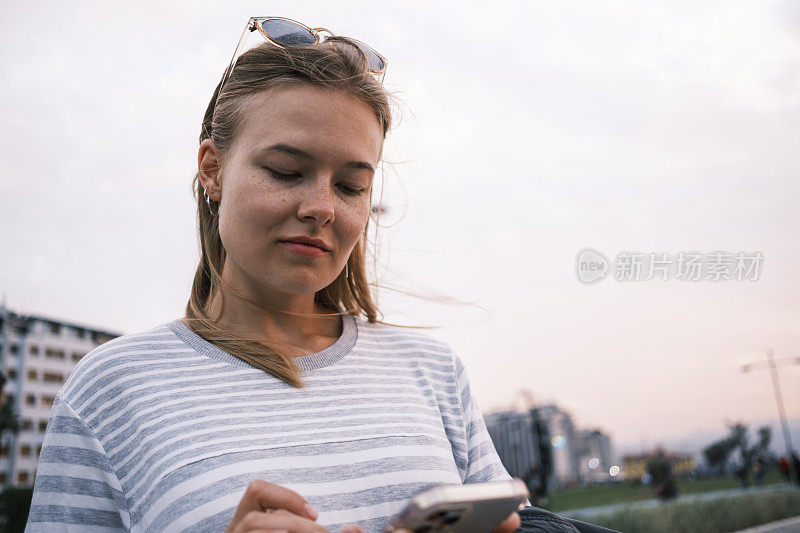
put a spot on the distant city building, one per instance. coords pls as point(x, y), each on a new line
point(541, 445)
point(634, 467)
point(564, 443)
point(595, 455)
point(37, 354)
point(515, 440)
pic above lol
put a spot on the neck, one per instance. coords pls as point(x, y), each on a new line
point(293, 321)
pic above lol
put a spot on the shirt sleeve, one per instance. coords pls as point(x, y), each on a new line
point(76, 488)
point(483, 463)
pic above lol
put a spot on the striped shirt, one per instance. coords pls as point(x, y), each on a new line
point(163, 431)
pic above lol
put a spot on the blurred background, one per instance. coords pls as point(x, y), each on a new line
point(525, 133)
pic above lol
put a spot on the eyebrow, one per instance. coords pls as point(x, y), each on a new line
point(302, 154)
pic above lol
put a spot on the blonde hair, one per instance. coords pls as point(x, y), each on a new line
point(334, 64)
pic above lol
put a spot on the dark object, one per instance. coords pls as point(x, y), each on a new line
point(796, 467)
point(758, 471)
point(536, 520)
point(9, 420)
point(785, 469)
point(15, 504)
point(660, 469)
point(537, 484)
point(743, 474)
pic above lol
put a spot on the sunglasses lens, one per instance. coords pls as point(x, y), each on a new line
point(288, 33)
point(374, 61)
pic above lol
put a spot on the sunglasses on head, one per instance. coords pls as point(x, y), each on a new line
point(283, 32)
point(287, 32)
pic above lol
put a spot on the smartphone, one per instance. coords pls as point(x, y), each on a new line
point(469, 508)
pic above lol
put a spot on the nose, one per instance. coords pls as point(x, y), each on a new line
point(317, 204)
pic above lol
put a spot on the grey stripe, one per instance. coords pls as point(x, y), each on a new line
point(72, 515)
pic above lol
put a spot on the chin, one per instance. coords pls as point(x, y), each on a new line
point(300, 284)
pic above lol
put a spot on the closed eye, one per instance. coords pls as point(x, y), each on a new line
point(281, 176)
point(351, 191)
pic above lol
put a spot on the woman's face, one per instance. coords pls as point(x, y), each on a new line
point(300, 168)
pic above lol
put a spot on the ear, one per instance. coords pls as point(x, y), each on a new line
point(208, 166)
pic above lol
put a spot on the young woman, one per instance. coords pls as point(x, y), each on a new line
point(280, 402)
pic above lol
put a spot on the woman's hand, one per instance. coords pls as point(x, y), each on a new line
point(269, 507)
point(509, 525)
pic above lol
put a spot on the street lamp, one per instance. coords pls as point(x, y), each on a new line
point(776, 385)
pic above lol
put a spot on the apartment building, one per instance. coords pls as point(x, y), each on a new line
point(595, 455)
point(542, 445)
point(37, 354)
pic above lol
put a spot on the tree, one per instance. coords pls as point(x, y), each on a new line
point(761, 448)
point(9, 421)
point(717, 454)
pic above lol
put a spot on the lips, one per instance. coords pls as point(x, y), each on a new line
point(306, 246)
point(309, 241)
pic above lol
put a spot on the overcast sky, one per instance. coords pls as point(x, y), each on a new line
point(526, 132)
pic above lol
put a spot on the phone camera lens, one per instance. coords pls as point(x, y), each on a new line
point(449, 517)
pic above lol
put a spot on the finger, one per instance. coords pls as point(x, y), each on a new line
point(352, 528)
point(278, 520)
point(509, 525)
point(262, 495)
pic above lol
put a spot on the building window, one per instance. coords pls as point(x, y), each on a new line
point(22, 477)
point(34, 351)
point(48, 400)
point(79, 333)
point(42, 427)
point(27, 424)
point(99, 337)
point(54, 354)
point(3, 451)
point(55, 328)
point(52, 377)
point(38, 450)
point(13, 349)
point(12, 373)
point(30, 399)
point(32, 375)
point(2, 478)
point(76, 356)
point(25, 450)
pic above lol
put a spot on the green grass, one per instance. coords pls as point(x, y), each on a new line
point(718, 516)
point(577, 498)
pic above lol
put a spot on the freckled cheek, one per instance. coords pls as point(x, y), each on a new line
point(261, 209)
point(353, 225)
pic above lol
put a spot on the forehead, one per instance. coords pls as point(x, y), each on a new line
point(324, 122)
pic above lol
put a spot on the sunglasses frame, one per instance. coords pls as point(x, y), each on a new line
point(320, 35)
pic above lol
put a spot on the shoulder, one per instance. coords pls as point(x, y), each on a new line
point(375, 332)
point(121, 356)
point(406, 342)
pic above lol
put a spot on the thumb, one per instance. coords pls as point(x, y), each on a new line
point(509, 525)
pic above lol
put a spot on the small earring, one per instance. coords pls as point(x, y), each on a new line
point(346, 271)
point(208, 201)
